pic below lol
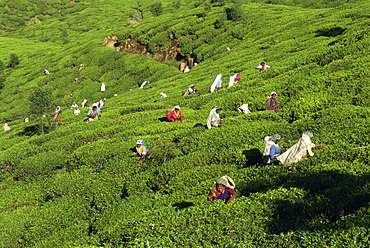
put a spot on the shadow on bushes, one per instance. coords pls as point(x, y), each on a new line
point(331, 195)
point(33, 130)
point(200, 125)
point(182, 205)
point(162, 119)
point(253, 156)
point(330, 32)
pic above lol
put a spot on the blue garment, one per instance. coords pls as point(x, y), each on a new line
point(219, 83)
point(274, 150)
point(91, 111)
point(225, 194)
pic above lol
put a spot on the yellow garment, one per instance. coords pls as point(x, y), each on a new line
point(141, 150)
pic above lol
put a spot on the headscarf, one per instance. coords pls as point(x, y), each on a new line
point(244, 108)
point(232, 81)
point(6, 127)
point(176, 107)
point(219, 76)
point(275, 137)
point(309, 133)
point(210, 116)
point(273, 93)
point(139, 142)
point(226, 181)
point(298, 151)
point(57, 110)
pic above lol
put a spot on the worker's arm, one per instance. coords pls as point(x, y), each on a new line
point(212, 194)
point(141, 159)
point(309, 149)
point(272, 152)
point(232, 197)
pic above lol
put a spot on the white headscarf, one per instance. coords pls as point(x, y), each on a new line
point(6, 127)
point(212, 114)
point(299, 151)
point(244, 109)
point(232, 82)
point(219, 76)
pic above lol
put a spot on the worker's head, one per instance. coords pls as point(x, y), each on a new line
point(218, 108)
point(273, 94)
point(177, 107)
point(309, 133)
point(94, 107)
point(263, 63)
point(192, 86)
point(220, 187)
point(139, 143)
point(276, 138)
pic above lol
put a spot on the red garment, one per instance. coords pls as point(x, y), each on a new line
point(272, 104)
point(173, 116)
point(57, 119)
point(236, 79)
point(224, 195)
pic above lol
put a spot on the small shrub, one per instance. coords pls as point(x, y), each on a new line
point(13, 61)
point(156, 9)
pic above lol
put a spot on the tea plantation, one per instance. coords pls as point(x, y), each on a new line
point(75, 185)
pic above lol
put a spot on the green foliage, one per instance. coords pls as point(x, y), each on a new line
point(2, 66)
point(13, 61)
point(221, 20)
point(40, 105)
point(139, 10)
point(235, 13)
point(176, 4)
point(40, 102)
point(156, 9)
point(77, 186)
point(2, 75)
point(218, 2)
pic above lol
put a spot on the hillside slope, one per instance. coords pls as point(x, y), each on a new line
point(77, 186)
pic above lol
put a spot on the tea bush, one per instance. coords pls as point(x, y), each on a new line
point(76, 184)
